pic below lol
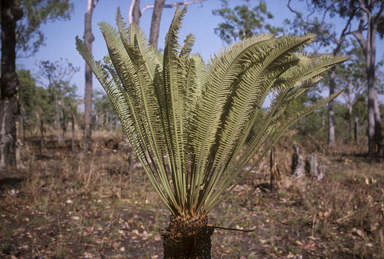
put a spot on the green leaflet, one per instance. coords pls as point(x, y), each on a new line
point(188, 121)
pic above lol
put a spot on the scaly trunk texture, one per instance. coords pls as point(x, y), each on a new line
point(88, 38)
point(155, 24)
point(9, 108)
point(187, 238)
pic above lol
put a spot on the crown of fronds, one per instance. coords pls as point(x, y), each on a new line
point(188, 121)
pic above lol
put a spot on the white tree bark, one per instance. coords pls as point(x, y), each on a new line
point(369, 48)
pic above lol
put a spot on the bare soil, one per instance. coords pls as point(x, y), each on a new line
point(66, 205)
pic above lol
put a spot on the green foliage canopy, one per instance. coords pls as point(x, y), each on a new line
point(243, 21)
point(29, 37)
point(36, 103)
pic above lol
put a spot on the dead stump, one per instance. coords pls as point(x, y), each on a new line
point(278, 176)
point(312, 168)
point(308, 167)
point(297, 163)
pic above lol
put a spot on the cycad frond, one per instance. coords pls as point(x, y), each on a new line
point(188, 122)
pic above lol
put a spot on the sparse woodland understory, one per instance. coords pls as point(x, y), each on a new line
point(68, 205)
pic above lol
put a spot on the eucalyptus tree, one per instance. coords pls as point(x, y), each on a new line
point(57, 76)
point(36, 106)
point(31, 100)
point(135, 13)
point(243, 21)
point(352, 77)
point(188, 121)
point(104, 112)
point(370, 26)
point(360, 115)
point(370, 15)
point(9, 147)
point(328, 36)
point(29, 36)
point(20, 23)
point(88, 38)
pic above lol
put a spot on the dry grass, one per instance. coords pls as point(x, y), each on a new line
point(85, 206)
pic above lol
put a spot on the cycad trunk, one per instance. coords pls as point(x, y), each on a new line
point(187, 238)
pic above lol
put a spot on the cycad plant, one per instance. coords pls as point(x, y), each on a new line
point(188, 121)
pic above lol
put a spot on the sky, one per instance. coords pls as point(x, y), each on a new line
point(199, 20)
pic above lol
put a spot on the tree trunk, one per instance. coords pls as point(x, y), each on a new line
point(356, 129)
point(297, 163)
point(350, 124)
point(106, 121)
point(371, 111)
point(155, 24)
point(349, 106)
point(57, 122)
point(331, 122)
point(131, 164)
point(136, 12)
point(127, 148)
point(9, 109)
point(272, 166)
point(73, 132)
point(312, 168)
point(22, 124)
point(96, 126)
point(41, 136)
point(64, 127)
point(379, 136)
point(88, 38)
point(182, 242)
point(110, 127)
point(369, 48)
point(63, 117)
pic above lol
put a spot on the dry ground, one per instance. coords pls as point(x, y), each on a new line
point(88, 206)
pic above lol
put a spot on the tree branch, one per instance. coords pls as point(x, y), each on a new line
point(146, 8)
point(171, 5)
point(345, 31)
point(360, 38)
point(326, 10)
point(307, 22)
point(377, 19)
point(131, 11)
point(365, 10)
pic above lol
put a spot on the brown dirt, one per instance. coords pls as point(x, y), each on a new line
point(84, 206)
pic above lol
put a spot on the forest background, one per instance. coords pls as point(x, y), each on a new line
point(58, 48)
point(53, 128)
